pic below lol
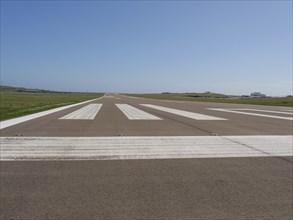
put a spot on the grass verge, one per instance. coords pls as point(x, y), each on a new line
point(14, 105)
point(219, 98)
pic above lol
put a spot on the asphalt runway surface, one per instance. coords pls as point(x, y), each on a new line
point(132, 158)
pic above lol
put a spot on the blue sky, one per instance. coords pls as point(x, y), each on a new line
point(232, 47)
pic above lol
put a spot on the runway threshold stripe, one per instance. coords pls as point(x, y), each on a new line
point(88, 112)
point(187, 114)
point(260, 110)
point(11, 122)
point(122, 148)
point(133, 113)
point(249, 113)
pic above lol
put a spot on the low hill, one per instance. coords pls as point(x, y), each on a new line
point(12, 89)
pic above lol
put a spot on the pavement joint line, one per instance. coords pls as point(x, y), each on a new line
point(264, 152)
point(144, 147)
point(181, 122)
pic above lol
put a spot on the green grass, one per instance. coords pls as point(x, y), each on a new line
point(219, 98)
point(8, 89)
point(19, 104)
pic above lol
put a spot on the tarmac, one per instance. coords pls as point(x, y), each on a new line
point(120, 157)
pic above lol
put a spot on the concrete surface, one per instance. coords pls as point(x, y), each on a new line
point(196, 188)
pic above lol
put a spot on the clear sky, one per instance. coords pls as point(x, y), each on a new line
point(232, 47)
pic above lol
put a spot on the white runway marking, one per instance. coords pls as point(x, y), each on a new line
point(120, 148)
point(183, 113)
point(136, 114)
point(260, 110)
point(249, 113)
point(87, 113)
point(11, 122)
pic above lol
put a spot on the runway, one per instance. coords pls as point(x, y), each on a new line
point(125, 157)
point(123, 116)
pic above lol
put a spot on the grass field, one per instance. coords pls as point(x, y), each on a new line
point(219, 98)
point(19, 104)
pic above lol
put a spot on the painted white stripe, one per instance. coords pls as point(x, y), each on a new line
point(249, 113)
point(183, 113)
point(11, 122)
point(114, 148)
point(260, 110)
point(136, 114)
point(88, 112)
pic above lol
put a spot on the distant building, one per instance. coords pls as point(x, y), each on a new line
point(27, 90)
point(257, 94)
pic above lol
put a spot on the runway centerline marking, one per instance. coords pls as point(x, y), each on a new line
point(250, 113)
point(133, 113)
point(88, 112)
point(157, 147)
point(187, 114)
